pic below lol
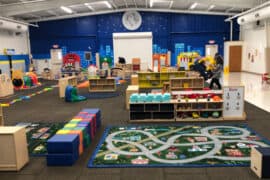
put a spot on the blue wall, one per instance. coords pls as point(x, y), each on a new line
point(95, 32)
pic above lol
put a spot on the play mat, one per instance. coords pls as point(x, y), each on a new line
point(37, 135)
point(181, 146)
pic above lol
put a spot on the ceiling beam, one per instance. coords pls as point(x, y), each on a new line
point(130, 9)
point(33, 6)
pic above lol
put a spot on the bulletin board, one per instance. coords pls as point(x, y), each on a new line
point(134, 45)
point(233, 102)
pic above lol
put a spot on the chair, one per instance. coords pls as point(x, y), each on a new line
point(265, 78)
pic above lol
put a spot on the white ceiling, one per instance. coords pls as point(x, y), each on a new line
point(42, 10)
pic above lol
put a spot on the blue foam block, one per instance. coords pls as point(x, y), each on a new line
point(61, 159)
point(63, 143)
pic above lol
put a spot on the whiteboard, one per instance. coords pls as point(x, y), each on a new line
point(133, 45)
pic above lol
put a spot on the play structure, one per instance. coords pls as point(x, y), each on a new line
point(185, 59)
point(71, 64)
point(71, 95)
point(24, 81)
point(182, 146)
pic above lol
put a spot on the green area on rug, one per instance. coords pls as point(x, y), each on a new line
point(37, 135)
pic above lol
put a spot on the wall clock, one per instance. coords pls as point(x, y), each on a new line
point(132, 20)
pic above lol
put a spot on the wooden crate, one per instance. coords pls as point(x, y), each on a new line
point(260, 162)
point(64, 82)
point(14, 153)
point(130, 90)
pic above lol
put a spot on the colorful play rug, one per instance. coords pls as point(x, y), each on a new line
point(176, 146)
point(37, 135)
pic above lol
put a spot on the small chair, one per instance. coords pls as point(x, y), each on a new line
point(265, 78)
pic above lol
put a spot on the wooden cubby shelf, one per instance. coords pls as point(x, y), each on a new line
point(151, 80)
point(182, 83)
point(146, 112)
point(102, 85)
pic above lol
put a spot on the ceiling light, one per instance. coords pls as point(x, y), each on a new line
point(211, 7)
point(193, 6)
point(66, 9)
point(89, 6)
point(171, 3)
point(92, 4)
point(151, 3)
point(107, 4)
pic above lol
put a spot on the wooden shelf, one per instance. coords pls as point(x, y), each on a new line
point(182, 83)
point(146, 79)
point(181, 111)
point(152, 120)
point(64, 82)
point(15, 150)
point(196, 110)
point(199, 119)
point(102, 85)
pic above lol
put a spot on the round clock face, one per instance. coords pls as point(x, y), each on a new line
point(132, 20)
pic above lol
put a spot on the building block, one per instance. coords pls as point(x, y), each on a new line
point(61, 159)
point(63, 143)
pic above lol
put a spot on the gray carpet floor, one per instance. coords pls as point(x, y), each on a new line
point(48, 107)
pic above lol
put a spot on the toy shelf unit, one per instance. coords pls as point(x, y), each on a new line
point(153, 80)
point(102, 85)
point(64, 82)
point(1, 117)
point(151, 112)
point(14, 153)
point(199, 110)
point(192, 106)
point(183, 83)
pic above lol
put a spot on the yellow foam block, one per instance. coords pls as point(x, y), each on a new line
point(70, 125)
point(76, 119)
point(62, 131)
point(4, 105)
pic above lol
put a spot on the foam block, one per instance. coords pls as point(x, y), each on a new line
point(61, 159)
point(63, 143)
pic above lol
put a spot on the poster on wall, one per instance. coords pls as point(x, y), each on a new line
point(233, 104)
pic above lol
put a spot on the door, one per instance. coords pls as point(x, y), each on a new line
point(235, 59)
point(211, 50)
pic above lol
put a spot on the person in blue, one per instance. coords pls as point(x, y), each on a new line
point(218, 69)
